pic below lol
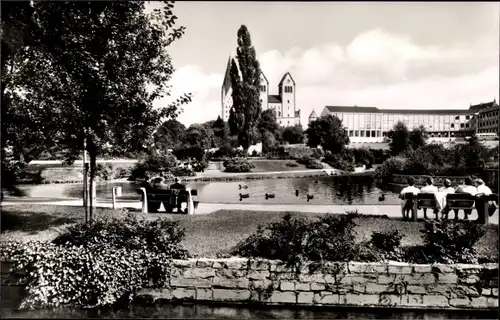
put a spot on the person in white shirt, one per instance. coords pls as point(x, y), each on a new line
point(467, 187)
point(430, 188)
point(484, 189)
point(406, 204)
point(447, 188)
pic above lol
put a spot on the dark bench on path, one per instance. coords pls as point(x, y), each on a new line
point(171, 199)
point(454, 201)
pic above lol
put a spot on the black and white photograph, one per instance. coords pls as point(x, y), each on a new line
point(249, 159)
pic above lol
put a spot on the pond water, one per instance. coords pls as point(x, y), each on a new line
point(340, 190)
point(240, 312)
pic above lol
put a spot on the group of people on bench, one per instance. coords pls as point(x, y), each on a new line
point(472, 186)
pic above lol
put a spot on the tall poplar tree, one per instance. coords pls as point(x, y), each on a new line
point(245, 83)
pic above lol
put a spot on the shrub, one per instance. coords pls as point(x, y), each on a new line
point(393, 165)
point(237, 165)
point(299, 152)
point(449, 242)
point(120, 172)
point(291, 164)
point(182, 172)
point(98, 265)
point(295, 240)
point(317, 153)
point(343, 161)
point(314, 164)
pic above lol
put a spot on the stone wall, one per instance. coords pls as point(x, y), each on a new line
point(355, 284)
point(403, 285)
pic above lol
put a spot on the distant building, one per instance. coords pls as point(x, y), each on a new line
point(370, 124)
point(284, 103)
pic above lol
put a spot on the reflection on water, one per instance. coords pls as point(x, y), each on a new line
point(326, 190)
point(210, 312)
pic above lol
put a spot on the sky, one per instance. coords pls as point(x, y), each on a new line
point(387, 55)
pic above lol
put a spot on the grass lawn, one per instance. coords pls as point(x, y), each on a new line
point(206, 235)
point(275, 165)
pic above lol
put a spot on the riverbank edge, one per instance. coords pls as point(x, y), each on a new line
point(265, 282)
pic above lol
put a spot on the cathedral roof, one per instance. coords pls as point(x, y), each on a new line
point(283, 79)
point(313, 114)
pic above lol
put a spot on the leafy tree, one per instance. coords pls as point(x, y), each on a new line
point(246, 97)
point(169, 135)
point(269, 142)
point(293, 134)
point(221, 131)
point(199, 135)
point(399, 138)
point(328, 132)
point(418, 137)
point(96, 69)
point(267, 122)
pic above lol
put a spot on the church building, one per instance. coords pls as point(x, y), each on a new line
point(284, 103)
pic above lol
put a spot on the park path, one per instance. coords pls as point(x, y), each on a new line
point(392, 211)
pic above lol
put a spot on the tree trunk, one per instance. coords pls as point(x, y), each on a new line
point(93, 166)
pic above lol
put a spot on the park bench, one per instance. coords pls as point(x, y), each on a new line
point(454, 201)
point(170, 198)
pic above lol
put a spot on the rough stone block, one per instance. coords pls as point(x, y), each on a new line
point(283, 297)
point(258, 275)
point(399, 268)
point(202, 273)
point(460, 302)
point(442, 268)
point(317, 286)
point(358, 288)
point(287, 286)
point(385, 279)
point(280, 268)
point(485, 292)
point(435, 300)
point(492, 302)
point(261, 284)
point(204, 263)
point(364, 267)
point(230, 283)
point(184, 294)
point(326, 298)
point(469, 279)
point(468, 268)
point(411, 300)
point(316, 277)
point(376, 288)
point(204, 294)
point(230, 295)
point(460, 291)
point(183, 263)
point(237, 263)
point(329, 279)
point(447, 278)
point(422, 268)
point(305, 297)
point(479, 302)
point(198, 283)
point(419, 278)
point(494, 292)
point(416, 289)
point(361, 299)
point(218, 264)
point(230, 273)
point(259, 265)
point(389, 300)
point(302, 286)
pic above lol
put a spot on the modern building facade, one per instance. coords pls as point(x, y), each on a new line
point(284, 103)
point(370, 124)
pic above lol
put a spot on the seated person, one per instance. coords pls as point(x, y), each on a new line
point(176, 187)
point(484, 189)
point(430, 188)
point(447, 188)
point(466, 187)
point(406, 206)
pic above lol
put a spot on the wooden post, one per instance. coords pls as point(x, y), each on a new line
point(113, 197)
point(414, 210)
point(144, 201)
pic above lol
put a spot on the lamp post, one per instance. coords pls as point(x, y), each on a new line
point(85, 175)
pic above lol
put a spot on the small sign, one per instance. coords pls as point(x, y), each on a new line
point(118, 191)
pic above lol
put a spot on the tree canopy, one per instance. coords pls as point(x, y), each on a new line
point(245, 84)
point(293, 134)
point(328, 132)
point(399, 138)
